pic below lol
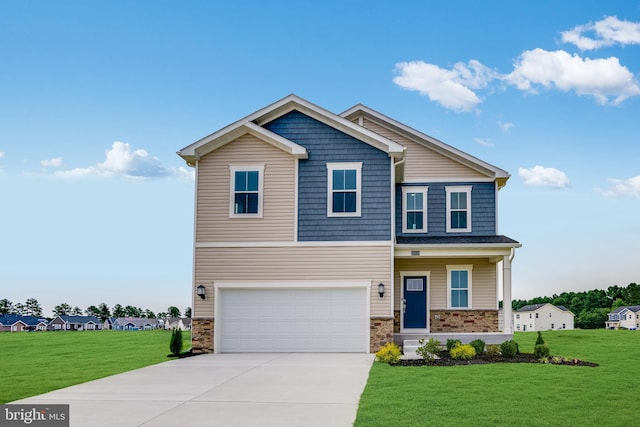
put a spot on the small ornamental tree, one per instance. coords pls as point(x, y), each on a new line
point(541, 349)
point(175, 345)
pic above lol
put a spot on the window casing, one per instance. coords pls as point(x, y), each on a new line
point(458, 209)
point(344, 189)
point(459, 285)
point(246, 193)
point(414, 209)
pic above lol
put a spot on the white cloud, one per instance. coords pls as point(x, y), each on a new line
point(606, 32)
point(505, 126)
point(1, 154)
point(484, 142)
point(540, 176)
point(450, 88)
point(52, 163)
point(122, 161)
point(623, 188)
point(600, 78)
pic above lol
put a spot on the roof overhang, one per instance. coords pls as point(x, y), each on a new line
point(253, 124)
point(195, 151)
point(495, 252)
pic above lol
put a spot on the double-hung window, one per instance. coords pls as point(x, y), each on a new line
point(246, 191)
point(414, 206)
point(459, 209)
point(344, 189)
point(459, 286)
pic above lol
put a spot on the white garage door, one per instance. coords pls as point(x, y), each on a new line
point(293, 320)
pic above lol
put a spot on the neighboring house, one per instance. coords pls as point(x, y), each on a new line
point(108, 323)
point(134, 323)
point(338, 233)
point(75, 323)
point(177, 323)
point(624, 317)
point(542, 317)
point(19, 323)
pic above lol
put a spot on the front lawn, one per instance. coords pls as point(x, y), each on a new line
point(514, 394)
point(33, 363)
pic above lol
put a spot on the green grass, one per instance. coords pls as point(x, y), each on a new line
point(33, 363)
point(514, 394)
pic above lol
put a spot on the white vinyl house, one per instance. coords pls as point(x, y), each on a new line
point(542, 317)
point(627, 317)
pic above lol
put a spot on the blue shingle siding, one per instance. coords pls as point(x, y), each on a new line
point(326, 145)
point(483, 209)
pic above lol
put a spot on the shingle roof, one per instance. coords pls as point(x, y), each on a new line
point(531, 307)
point(634, 308)
point(438, 240)
point(534, 307)
point(80, 319)
point(10, 319)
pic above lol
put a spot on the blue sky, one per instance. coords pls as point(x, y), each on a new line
point(96, 98)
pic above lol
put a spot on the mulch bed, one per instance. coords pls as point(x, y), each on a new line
point(446, 360)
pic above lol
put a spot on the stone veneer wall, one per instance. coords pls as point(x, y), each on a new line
point(381, 332)
point(463, 321)
point(202, 336)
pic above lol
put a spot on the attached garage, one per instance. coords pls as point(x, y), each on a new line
point(292, 319)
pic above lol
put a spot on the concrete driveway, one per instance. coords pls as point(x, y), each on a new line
point(223, 390)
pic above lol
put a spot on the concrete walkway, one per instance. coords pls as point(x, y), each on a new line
point(223, 390)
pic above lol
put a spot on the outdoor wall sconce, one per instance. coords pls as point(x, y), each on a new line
point(381, 289)
point(201, 291)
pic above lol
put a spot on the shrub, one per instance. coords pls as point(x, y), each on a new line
point(478, 345)
point(541, 350)
point(452, 343)
point(430, 350)
point(493, 351)
point(539, 340)
point(389, 353)
point(175, 345)
point(463, 351)
point(509, 348)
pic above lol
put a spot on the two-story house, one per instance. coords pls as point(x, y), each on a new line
point(542, 317)
point(627, 317)
point(317, 231)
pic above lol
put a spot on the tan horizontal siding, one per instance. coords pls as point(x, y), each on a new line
point(303, 263)
point(483, 280)
point(423, 164)
point(213, 198)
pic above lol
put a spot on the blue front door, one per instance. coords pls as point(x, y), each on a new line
point(415, 302)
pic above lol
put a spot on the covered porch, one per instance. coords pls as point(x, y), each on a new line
point(451, 288)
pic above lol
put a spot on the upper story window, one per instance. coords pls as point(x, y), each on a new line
point(246, 191)
point(459, 286)
point(414, 207)
point(459, 209)
point(344, 189)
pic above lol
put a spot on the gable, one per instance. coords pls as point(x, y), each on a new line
point(254, 124)
point(426, 157)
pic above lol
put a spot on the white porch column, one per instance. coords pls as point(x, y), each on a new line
point(506, 295)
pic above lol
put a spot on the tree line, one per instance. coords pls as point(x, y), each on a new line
point(590, 307)
point(31, 307)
